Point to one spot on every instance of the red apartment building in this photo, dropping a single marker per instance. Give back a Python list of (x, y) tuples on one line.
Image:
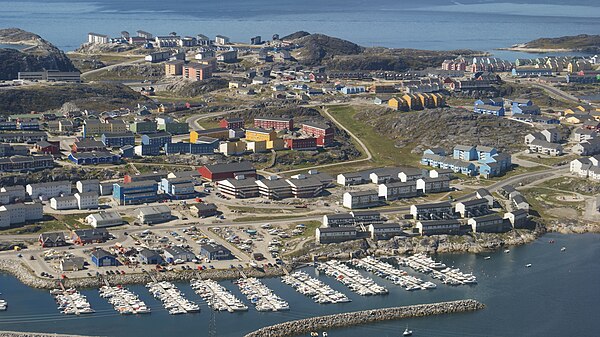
[(323, 133), (232, 123), (301, 143), (274, 123)]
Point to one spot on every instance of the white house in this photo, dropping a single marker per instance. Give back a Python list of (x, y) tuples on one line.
[(104, 219), (49, 190), (91, 185), (360, 199), (62, 203), (87, 200)]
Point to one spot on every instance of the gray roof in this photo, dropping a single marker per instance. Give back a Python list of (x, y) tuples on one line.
[(474, 202), (231, 167), (386, 225), (101, 253), (336, 229), (464, 147), (483, 192), (432, 205), (490, 217)]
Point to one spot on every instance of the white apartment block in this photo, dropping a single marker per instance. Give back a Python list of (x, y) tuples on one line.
[(49, 190), (15, 214), (87, 200)]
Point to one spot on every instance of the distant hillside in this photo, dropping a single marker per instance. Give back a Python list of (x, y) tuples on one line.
[(338, 54), (96, 96), (38, 55), (583, 42)]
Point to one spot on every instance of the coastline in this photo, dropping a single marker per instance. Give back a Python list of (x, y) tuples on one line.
[(396, 246), (539, 50)]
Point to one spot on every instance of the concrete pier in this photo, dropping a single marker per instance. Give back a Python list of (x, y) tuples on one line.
[(324, 323)]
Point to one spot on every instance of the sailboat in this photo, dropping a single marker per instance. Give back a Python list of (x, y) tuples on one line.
[(407, 332)]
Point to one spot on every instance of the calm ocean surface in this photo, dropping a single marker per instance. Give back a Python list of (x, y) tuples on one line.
[(425, 24), (557, 296)]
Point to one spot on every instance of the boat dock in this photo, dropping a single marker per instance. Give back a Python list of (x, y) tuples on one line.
[(395, 275), (351, 278), (71, 302), (124, 301), (424, 264), (172, 299), (217, 297), (261, 296), (311, 287)]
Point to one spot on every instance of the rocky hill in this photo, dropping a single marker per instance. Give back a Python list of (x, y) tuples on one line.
[(38, 55), (445, 127), (338, 54), (96, 96), (186, 88), (582, 42)]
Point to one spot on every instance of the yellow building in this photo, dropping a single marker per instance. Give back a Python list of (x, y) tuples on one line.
[(438, 100), (257, 147), (174, 68), (219, 133), (275, 144), (257, 135), (234, 85), (426, 100), (232, 148), (96, 127), (576, 110), (398, 103), (414, 103)]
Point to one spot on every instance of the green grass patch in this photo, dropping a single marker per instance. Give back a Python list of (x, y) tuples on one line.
[(573, 184), (382, 149), (549, 161)]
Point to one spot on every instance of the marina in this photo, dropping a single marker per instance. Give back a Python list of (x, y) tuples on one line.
[(261, 296), (313, 288), (351, 278), (71, 302), (217, 297), (172, 299), (393, 274), (124, 301), (424, 264)]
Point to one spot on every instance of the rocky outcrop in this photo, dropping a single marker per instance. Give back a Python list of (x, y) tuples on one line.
[(186, 88), (38, 55), (304, 326)]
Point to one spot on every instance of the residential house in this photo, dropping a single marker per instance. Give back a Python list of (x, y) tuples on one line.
[(335, 234), (361, 199), (492, 223)]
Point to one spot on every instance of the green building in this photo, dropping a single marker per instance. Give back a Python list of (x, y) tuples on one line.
[(175, 128), (142, 127)]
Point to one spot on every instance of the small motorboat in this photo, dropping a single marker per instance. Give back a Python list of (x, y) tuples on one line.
[(563, 249), (507, 251), (407, 332), (528, 265), (487, 257), (324, 333), (551, 241)]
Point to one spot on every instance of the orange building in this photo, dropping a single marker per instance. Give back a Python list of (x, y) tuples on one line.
[(196, 71)]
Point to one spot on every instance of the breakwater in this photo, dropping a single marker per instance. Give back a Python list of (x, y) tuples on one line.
[(26, 276), (303, 326)]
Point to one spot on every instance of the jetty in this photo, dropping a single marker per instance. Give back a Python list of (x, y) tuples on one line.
[(217, 297), (261, 296), (71, 302), (351, 278), (320, 292), (124, 301), (393, 274), (324, 323), (424, 264), (172, 299)]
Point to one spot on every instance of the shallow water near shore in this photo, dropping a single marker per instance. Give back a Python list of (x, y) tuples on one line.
[(555, 297)]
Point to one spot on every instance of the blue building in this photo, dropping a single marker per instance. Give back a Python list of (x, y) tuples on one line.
[(191, 148), (485, 109), (147, 150), (215, 252), (485, 152), (150, 256), (118, 139), (522, 102), (159, 139), (94, 158), (127, 151), (531, 71), (465, 152), (526, 109), (102, 258), (137, 192), (497, 101)]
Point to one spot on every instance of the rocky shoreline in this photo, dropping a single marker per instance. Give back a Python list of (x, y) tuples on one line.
[(33, 334), (303, 326), (27, 277)]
